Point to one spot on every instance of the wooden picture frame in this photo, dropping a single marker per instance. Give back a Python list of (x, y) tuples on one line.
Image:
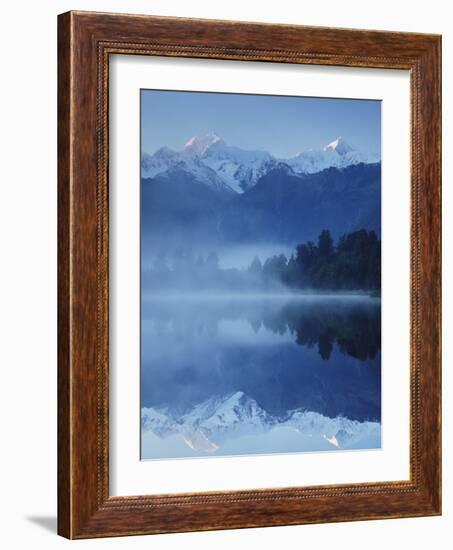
[(85, 42)]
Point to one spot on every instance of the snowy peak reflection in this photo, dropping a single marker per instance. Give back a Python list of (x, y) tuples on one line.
[(219, 421)]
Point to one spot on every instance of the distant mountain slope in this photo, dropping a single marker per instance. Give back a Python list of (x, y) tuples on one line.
[(165, 163), (282, 207), (285, 207), (177, 204)]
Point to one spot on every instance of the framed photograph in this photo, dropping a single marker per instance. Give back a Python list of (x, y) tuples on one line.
[(249, 275)]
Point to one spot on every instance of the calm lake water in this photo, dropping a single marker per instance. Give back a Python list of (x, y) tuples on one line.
[(239, 375)]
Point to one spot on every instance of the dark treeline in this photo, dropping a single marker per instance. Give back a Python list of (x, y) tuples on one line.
[(354, 263)]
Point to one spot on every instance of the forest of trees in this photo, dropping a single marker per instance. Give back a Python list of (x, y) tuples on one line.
[(353, 263)]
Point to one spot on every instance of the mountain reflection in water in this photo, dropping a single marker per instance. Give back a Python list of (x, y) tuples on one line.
[(259, 374)]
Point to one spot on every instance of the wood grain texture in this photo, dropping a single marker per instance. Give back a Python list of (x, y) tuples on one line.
[(86, 40)]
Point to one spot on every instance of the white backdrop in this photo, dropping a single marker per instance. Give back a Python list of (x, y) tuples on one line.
[(28, 270)]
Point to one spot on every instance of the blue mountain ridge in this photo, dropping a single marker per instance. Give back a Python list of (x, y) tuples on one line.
[(283, 207)]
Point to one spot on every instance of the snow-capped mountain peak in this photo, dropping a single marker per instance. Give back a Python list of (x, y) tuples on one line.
[(341, 146), (198, 145)]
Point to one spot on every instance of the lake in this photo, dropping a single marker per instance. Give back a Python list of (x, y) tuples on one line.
[(258, 374)]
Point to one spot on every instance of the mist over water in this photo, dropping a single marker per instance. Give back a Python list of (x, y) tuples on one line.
[(230, 257), (241, 257)]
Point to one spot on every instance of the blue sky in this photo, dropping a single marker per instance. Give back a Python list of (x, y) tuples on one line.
[(282, 125)]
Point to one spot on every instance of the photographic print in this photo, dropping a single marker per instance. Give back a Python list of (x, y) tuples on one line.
[(260, 274)]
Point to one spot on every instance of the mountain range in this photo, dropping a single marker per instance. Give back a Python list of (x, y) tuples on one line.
[(225, 167), (219, 419), (211, 195)]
